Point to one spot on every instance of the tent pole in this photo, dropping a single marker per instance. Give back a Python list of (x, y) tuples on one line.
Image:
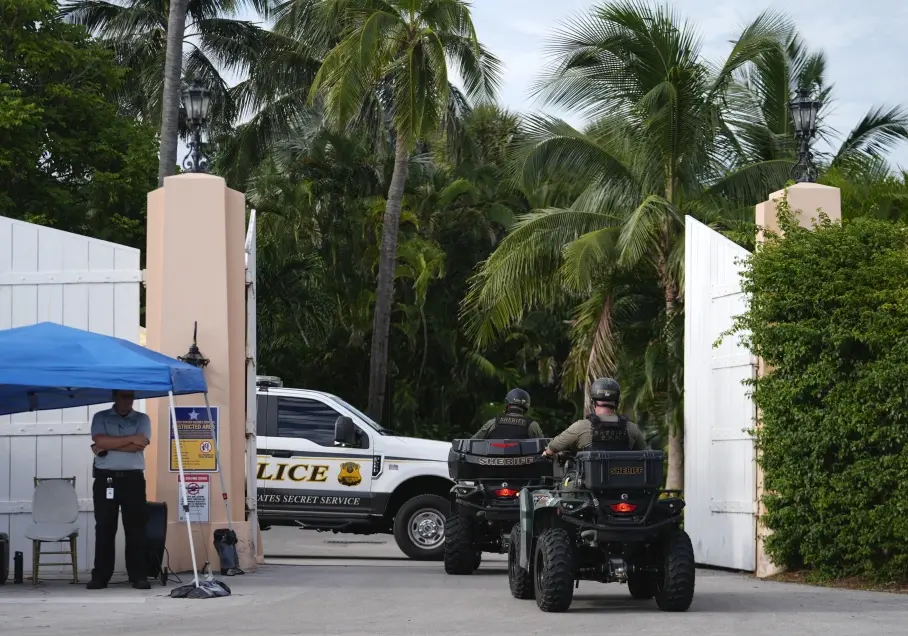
[(176, 438), (217, 450)]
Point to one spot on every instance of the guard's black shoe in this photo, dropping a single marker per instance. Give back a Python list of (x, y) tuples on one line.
[(96, 585), (141, 585)]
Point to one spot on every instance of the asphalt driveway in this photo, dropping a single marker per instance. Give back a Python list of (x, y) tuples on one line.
[(350, 588)]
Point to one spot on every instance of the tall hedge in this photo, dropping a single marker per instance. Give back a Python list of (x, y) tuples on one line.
[(828, 311)]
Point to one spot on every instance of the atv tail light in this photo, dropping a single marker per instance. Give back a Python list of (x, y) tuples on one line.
[(507, 492), (503, 444), (623, 507)]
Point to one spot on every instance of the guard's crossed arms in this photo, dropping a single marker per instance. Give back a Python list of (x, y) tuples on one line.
[(126, 444)]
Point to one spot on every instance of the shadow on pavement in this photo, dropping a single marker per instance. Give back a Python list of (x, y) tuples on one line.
[(780, 602)]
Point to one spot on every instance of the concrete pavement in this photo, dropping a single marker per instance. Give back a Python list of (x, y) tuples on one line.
[(357, 591)]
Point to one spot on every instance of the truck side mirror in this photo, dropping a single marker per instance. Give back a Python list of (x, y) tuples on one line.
[(345, 431)]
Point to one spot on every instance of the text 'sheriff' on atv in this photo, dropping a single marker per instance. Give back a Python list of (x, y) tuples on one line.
[(607, 520), (488, 475)]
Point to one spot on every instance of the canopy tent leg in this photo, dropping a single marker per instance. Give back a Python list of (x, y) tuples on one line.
[(176, 437), (217, 451)]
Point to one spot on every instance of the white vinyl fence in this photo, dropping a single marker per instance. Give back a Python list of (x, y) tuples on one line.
[(49, 275)]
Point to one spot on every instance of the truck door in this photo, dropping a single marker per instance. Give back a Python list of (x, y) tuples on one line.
[(304, 473), (266, 422)]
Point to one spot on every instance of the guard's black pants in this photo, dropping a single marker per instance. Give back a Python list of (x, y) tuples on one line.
[(129, 496)]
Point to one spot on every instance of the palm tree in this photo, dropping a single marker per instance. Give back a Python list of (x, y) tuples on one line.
[(149, 38), (170, 100), (762, 122), (392, 56), (662, 151)]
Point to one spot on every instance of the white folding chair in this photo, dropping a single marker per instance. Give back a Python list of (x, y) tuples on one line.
[(55, 515)]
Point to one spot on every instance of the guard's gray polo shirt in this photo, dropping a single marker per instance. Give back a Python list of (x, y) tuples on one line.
[(110, 423)]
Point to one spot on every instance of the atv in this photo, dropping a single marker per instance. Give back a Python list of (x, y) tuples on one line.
[(607, 520), (488, 476)]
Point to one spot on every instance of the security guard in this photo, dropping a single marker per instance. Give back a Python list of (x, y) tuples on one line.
[(120, 436), (513, 423), (602, 429)]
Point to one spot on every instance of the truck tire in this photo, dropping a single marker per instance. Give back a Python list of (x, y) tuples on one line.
[(519, 580), (460, 556), (419, 527), (554, 571), (675, 587)]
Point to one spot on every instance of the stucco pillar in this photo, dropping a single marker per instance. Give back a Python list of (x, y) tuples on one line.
[(805, 200), (196, 272)]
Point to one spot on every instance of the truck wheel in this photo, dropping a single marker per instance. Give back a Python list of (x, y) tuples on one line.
[(459, 554), (477, 560), (641, 585), (554, 571), (675, 588), (419, 527), (520, 581)]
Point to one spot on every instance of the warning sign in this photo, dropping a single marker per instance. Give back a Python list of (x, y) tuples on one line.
[(198, 495), (198, 439)]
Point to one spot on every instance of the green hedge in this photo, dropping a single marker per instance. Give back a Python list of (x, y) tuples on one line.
[(829, 311)]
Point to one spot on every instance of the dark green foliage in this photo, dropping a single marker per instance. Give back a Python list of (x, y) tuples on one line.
[(67, 157), (829, 316)]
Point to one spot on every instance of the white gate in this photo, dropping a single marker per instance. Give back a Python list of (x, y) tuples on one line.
[(719, 467), (49, 275), (251, 407)]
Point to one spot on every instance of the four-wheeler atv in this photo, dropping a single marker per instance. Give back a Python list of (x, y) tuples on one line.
[(607, 520), (488, 475)]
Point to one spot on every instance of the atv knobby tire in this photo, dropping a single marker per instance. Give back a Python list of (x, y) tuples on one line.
[(520, 581), (675, 588), (460, 557), (554, 568), (641, 585)]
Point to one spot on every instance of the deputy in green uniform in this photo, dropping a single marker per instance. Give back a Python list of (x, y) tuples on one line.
[(513, 423), (603, 429)]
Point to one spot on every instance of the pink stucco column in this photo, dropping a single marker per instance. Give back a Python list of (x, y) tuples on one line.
[(196, 272)]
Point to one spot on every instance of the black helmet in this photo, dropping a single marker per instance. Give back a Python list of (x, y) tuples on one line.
[(518, 398), (605, 390)]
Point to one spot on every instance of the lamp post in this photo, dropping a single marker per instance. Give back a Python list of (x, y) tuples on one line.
[(197, 105), (804, 112)]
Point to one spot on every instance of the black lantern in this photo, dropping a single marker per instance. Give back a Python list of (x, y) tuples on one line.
[(194, 355), (197, 106), (804, 111)]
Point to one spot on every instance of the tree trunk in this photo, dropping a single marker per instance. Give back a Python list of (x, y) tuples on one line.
[(675, 477), (170, 99), (381, 322)]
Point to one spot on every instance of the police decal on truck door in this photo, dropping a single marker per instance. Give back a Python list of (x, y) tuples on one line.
[(302, 471)]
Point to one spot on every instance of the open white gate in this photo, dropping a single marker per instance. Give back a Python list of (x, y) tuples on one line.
[(73, 280), (719, 467), (251, 409)]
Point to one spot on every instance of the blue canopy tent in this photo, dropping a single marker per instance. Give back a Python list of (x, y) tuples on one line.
[(51, 366)]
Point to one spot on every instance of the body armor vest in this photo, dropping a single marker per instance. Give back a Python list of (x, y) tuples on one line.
[(610, 436), (510, 426)]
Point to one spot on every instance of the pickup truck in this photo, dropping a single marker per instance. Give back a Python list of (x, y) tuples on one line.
[(373, 482)]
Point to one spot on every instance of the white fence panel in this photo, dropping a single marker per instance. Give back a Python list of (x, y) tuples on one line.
[(719, 470), (50, 275)]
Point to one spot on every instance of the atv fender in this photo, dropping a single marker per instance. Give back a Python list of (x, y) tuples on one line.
[(532, 505), (526, 528)]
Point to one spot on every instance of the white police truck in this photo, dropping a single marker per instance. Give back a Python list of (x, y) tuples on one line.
[(324, 465)]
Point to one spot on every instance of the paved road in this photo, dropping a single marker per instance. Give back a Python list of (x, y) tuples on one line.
[(357, 592)]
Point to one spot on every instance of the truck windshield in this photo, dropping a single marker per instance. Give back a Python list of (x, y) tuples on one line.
[(365, 418)]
